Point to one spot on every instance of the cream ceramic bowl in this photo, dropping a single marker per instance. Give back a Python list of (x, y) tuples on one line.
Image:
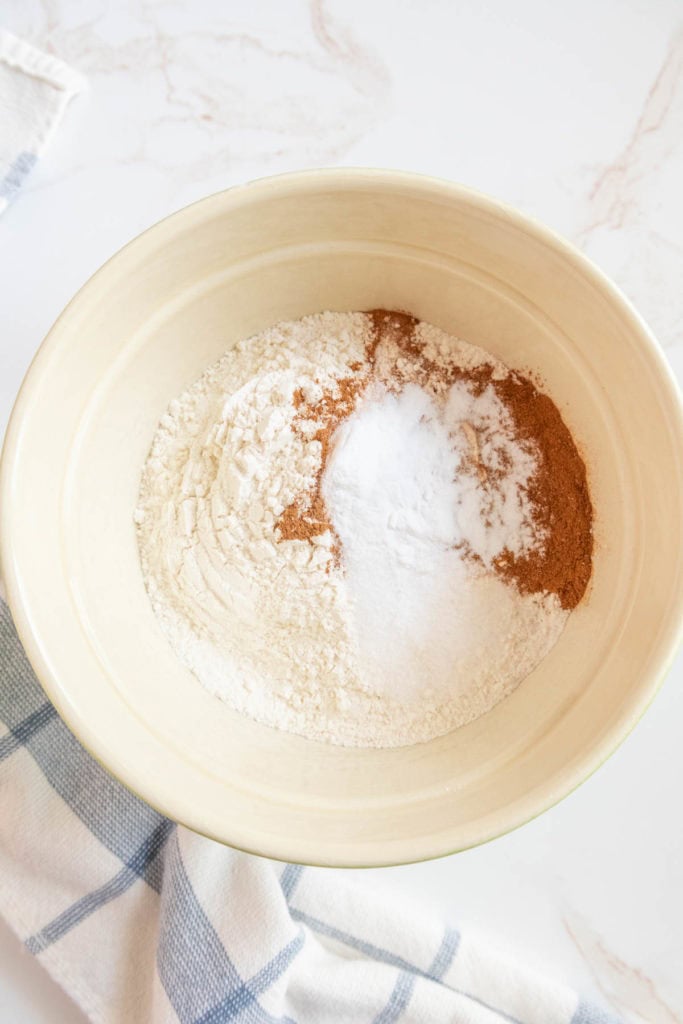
[(148, 323)]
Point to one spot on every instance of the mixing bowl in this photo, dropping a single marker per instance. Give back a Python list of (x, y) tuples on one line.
[(147, 324)]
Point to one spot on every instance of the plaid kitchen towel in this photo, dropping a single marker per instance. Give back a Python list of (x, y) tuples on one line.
[(145, 922), (34, 91)]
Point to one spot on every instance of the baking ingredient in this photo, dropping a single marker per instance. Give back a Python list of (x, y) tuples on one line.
[(559, 495), (343, 532)]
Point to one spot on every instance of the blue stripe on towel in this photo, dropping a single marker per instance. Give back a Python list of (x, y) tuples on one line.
[(18, 171), (201, 981), (398, 1000), (445, 954), (405, 983), (87, 905), (290, 879), (242, 998), (119, 819), (21, 733), (588, 1013)]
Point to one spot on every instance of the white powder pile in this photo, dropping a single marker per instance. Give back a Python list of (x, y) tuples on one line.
[(404, 501), (390, 625)]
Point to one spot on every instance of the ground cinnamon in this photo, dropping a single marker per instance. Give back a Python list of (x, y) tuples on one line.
[(307, 516), (394, 326), (559, 493)]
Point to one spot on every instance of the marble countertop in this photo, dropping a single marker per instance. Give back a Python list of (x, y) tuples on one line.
[(572, 112)]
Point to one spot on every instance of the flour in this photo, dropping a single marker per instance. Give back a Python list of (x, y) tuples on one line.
[(390, 626)]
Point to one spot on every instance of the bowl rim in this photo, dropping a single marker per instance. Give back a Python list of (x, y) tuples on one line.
[(292, 183)]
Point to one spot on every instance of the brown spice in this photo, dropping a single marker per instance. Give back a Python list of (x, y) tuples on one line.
[(392, 325), (559, 494), (307, 516)]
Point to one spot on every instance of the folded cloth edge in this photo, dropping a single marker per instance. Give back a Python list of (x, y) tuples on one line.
[(17, 53)]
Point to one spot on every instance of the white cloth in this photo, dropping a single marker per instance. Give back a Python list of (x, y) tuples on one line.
[(144, 922), (34, 91)]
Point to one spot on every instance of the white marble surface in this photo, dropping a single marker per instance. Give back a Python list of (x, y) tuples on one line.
[(573, 112)]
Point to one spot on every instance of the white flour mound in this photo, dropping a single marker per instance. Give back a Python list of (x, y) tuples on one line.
[(406, 638)]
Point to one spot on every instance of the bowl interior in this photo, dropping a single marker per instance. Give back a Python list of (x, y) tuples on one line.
[(149, 323)]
